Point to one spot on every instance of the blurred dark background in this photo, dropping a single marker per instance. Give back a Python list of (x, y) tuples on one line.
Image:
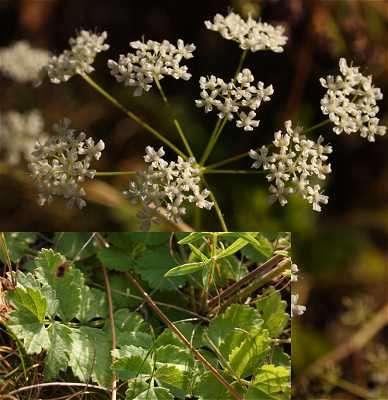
[(319, 33)]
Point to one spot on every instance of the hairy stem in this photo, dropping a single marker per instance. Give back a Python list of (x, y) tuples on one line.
[(232, 171), (213, 139), (131, 115), (217, 208), (241, 62), (228, 160), (182, 338)]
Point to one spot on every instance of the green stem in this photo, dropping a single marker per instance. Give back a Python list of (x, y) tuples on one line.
[(176, 122), (213, 139), (232, 171), (131, 115), (228, 160), (115, 173), (316, 126), (241, 62), (217, 208)]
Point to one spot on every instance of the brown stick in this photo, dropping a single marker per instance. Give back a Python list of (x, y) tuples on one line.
[(354, 343), (182, 338), (50, 384), (245, 280)]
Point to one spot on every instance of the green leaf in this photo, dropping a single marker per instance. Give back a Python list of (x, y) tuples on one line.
[(273, 310), (31, 300), (187, 269), (152, 393), (197, 252), (208, 388), (67, 282), (131, 361), (89, 355), (272, 383), (193, 237), (259, 242), (153, 265), (92, 304), (18, 244), (232, 249), (171, 375), (131, 329), (57, 357), (245, 358), (115, 259), (74, 245)]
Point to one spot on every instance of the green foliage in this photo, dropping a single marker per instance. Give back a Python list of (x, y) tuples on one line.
[(60, 312), (18, 244)]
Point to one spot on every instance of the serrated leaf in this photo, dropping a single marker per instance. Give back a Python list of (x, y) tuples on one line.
[(90, 357), (208, 388), (131, 361), (17, 244), (193, 333), (31, 300), (135, 387), (28, 330), (152, 266), (272, 383), (92, 304), (171, 375), (245, 358), (273, 311), (115, 259), (57, 356), (131, 329), (229, 329), (187, 269), (67, 282), (153, 393)]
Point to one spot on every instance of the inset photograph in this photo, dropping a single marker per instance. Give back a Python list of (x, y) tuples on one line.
[(145, 316)]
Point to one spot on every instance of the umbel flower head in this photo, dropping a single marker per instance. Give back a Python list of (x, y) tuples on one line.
[(239, 98), (351, 102), (77, 60), (22, 62), (151, 61), (18, 135), (294, 166), (166, 188), (60, 164), (250, 34)]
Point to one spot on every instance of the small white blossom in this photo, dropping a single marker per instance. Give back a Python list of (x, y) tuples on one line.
[(294, 166), (22, 62), (250, 34), (294, 273), (237, 98), (166, 187), (151, 61), (351, 102), (19, 133), (296, 309), (77, 60), (61, 163)]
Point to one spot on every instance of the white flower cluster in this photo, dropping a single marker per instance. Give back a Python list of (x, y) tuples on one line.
[(151, 61), (291, 169), (62, 163), (296, 309), (18, 134), (238, 97), (294, 273), (77, 60), (22, 62), (350, 102), (164, 187), (250, 34)]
